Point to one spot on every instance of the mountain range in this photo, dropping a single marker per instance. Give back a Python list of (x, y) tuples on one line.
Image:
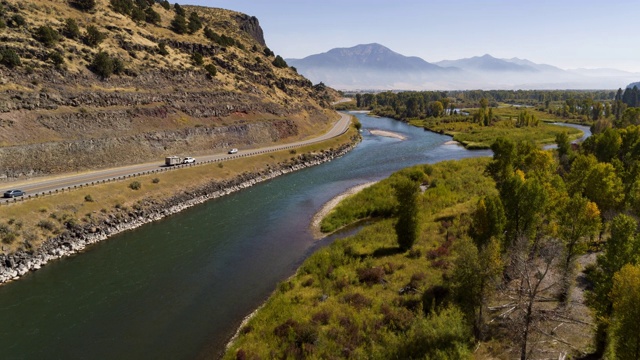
[(376, 67)]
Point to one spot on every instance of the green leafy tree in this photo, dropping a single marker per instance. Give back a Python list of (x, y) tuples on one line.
[(488, 220), (565, 153), (625, 327), (524, 205), (504, 159), (578, 221), (436, 109), (526, 118), (93, 37), (607, 145), (622, 248), (581, 167), (71, 29), (604, 187), (406, 227), (474, 271), (165, 4)]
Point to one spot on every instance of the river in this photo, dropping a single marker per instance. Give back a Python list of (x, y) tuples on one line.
[(178, 288)]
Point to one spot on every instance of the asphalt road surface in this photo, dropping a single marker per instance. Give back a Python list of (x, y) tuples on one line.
[(44, 185)]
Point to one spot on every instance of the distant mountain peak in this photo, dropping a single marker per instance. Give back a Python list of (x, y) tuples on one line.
[(375, 66), (374, 56)]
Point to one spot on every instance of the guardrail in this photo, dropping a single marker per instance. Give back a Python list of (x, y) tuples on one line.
[(160, 170)]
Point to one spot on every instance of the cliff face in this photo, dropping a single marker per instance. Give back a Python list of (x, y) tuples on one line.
[(168, 93)]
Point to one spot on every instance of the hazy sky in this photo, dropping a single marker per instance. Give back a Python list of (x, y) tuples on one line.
[(563, 33)]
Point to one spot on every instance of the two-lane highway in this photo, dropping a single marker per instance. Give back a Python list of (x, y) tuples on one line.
[(53, 183)]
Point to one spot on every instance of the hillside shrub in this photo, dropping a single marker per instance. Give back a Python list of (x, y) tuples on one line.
[(47, 35), (84, 5), (9, 238), (152, 17), (135, 185), (16, 21), (138, 14), (118, 66), (221, 40), (122, 6), (197, 59), (279, 62), (46, 225), (165, 4), (179, 24), (179, 10), (71, 29), (56, 58), (211, 70), (162, 49), (9, 58), (102, 65), (195, 23), (93, 37)]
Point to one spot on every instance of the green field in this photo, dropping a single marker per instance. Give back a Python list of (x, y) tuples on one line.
[(474, 136)]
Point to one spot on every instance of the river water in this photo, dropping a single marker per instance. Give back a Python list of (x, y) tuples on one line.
[(178, 288)]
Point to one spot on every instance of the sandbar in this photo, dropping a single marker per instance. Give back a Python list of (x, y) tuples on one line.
[(387, 134), (329, 205)]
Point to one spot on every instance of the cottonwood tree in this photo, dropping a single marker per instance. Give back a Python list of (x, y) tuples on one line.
[(488, 220), (625, 324), (623, 247), (579, 220), (524, 203), (475, 275)]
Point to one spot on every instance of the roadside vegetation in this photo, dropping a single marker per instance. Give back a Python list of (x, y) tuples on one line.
[(531, 254), (25, 225)]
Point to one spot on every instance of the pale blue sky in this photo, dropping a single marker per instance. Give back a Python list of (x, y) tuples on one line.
[(567, 34)]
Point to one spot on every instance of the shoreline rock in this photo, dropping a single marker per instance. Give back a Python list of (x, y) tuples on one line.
[(75, 240)]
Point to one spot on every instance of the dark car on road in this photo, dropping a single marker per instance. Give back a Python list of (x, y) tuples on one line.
[(13, 193)]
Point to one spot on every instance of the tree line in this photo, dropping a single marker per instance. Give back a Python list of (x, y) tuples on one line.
[(518, 264)]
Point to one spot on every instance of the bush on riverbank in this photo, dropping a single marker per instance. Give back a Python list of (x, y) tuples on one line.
[(361, 296)]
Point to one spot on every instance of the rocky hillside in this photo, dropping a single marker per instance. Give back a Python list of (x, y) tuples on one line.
[(97, 83)]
